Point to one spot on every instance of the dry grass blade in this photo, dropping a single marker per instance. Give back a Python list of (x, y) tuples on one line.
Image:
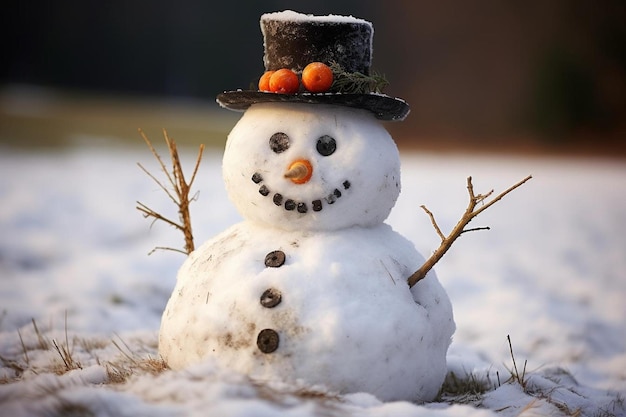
[(24, 350), (43, 343), (17, 367), (520, 379), (459, 229), (179, 193), (121, 370), (65, 352)]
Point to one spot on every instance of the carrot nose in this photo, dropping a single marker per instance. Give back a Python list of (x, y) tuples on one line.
[(299, 171)]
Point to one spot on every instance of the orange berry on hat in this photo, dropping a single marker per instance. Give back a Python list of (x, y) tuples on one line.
[(284, 81), (317, 77), (264, 81)]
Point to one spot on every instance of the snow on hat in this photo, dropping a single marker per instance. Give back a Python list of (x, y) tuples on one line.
[(344, 43)]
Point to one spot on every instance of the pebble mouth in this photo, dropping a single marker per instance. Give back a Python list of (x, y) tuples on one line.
[(302, 207)]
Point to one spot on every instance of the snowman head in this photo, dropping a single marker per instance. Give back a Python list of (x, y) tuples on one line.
[(311, 167)]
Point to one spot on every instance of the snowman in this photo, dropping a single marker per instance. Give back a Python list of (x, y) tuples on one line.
[(311, 287)]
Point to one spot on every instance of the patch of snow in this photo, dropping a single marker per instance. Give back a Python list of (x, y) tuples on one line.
[(291, 16), (549, 273)]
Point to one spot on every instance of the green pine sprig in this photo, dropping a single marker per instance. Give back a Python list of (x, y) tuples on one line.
[(356, 82)]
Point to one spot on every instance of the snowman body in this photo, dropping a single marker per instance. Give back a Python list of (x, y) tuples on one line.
[(312, 285)]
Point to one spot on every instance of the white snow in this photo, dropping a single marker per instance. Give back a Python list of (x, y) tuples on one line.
[(549, 273), (291, 16)]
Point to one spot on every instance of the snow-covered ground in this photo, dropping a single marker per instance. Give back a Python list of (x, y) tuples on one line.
[(80, 299)]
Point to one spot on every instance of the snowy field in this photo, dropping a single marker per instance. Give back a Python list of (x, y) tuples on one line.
[(80, 299)]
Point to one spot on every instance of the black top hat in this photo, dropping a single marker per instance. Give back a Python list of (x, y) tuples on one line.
[(294, 40)]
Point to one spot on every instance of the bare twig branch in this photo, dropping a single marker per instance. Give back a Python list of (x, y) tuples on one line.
[(476, 229), (502, 194), (164, 188), (148, 212), (156, 248), (180, 190), (157, 157), (195, 169), (434, 222), (459, 228)]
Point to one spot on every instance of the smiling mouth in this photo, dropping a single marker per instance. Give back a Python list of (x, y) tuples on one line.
[(290, 204)]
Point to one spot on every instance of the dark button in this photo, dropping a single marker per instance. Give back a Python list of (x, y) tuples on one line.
[(267, 340), (346, 184), (278, 199), (302, 208), (317, 205), (271, 298), (290, 205), (264, 191), (257, 178), (275, 259)]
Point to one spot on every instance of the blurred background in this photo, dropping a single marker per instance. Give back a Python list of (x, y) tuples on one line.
[(486, 75)]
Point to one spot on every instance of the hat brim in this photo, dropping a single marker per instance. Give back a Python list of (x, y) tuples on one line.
[(384, 107)]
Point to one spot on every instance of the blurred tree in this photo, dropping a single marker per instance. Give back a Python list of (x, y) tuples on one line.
[(477, 70), (183, 48), (563, 96)]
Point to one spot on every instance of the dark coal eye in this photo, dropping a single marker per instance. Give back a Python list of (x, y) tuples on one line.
[(279, 142), (326, 145)]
